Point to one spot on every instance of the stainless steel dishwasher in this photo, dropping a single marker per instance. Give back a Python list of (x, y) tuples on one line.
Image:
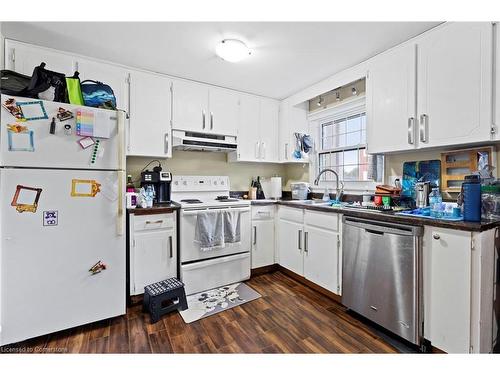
[(382, 274)]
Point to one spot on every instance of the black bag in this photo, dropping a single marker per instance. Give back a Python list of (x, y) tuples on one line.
[(13, 83), (47, 85)]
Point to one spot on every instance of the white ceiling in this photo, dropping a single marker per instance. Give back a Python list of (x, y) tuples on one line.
[(287, 56)]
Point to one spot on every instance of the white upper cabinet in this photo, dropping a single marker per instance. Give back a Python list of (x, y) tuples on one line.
[(224, 109), (150, 115), (202, 108), (257, 130), (249, 128), (292, 119), (391, 101), (455, 84), (190, 106), (23, 58), (112, 75), (269, 114), (434, 91)]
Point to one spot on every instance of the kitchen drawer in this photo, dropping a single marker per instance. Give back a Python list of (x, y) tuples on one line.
[(291, 214), (212, 273), (152, 222), (329, 221), (263, 212)]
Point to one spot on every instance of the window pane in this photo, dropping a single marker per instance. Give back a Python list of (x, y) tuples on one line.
[(354, 123), (327, 143), (337, 158), (351, 172), (327, 129), (353, 139), (340, 126), (351, 157), (322, 160)]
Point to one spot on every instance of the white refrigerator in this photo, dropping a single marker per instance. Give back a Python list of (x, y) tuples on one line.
[(62, 243)]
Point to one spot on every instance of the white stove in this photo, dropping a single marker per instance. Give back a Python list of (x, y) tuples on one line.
[(194, 192), (202, 270)]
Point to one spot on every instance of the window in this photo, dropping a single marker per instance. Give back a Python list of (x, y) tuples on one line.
[(343, 149)]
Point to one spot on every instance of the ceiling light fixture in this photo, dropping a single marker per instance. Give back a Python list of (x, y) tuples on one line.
[(320, 101), (337, 95), (354, 91), (232, 50)]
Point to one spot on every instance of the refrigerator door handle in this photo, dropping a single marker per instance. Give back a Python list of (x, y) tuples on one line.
[(121, 139), (119, 215)]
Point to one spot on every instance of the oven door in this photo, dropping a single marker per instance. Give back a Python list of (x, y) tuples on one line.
[(190, 251)]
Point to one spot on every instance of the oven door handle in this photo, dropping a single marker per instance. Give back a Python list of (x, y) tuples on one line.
[(197, 211)]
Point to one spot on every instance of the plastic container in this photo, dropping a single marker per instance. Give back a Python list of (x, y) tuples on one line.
[(490, 202), (435, 203), (299, 190)]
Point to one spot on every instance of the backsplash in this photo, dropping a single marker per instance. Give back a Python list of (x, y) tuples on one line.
[(209, 163)]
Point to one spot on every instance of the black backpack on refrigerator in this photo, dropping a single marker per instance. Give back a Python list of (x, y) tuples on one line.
[(43, 84)]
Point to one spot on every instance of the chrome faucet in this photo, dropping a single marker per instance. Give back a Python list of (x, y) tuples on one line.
[(338, 191)]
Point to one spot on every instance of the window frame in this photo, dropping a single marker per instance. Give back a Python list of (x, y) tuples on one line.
[(316, 120)]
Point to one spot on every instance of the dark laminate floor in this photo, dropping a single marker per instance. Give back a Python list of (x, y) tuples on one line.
[(289, 318)]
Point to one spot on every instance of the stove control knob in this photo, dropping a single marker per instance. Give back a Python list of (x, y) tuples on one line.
[(184, 182), (215, 183)]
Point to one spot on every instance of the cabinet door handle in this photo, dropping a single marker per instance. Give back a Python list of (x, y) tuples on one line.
[(411, 123), (306, 242), (300, 240), (203, 119), (154, 222), (166, 147), (257, 150), (170, 246), (424, 128), (436, 236), (263, 151), (286, 151), (255, 235), (211, 120)]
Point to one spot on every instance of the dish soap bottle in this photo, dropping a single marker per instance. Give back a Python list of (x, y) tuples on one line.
[(435, 201)]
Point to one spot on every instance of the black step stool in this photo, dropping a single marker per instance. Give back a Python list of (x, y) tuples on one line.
[(167, 290)]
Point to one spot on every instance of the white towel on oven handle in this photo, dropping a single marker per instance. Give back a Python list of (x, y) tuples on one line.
[(209, 230), (232, 226)]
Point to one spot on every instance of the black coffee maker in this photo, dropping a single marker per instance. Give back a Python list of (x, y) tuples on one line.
[(160, 182)]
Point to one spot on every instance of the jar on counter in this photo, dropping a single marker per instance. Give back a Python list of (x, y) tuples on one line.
[(490, 202)]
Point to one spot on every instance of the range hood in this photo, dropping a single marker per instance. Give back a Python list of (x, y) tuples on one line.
[(193, 141)]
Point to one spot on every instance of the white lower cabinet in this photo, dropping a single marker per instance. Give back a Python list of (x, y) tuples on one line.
[(290, 245), (263, 236), (458, 279), (309, 245), (321, 264), (153, 250)]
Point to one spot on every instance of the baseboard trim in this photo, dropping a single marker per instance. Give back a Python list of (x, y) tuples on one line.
[(310, 284), (263, 270)]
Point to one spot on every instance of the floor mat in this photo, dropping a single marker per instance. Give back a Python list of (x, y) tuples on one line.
[(213, 301)]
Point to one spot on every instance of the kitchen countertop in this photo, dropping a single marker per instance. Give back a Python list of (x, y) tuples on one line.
[(158, 209), (391, 217)]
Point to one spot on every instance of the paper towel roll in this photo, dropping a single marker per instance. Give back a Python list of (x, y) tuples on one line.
[(276, 187)]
